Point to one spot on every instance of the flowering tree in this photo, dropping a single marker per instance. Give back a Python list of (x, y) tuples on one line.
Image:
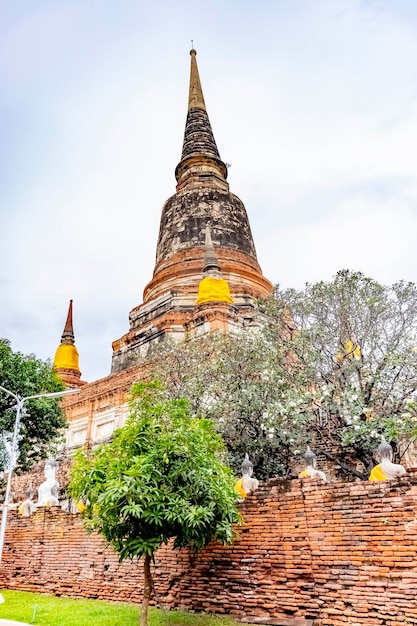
[(357, 341), (243, 382), (334, 365)]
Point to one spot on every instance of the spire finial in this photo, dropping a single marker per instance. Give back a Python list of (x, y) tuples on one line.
[(210, 258), (195, 96), (68, 334)]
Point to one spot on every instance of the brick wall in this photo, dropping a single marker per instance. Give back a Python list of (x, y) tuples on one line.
[(343, 553)]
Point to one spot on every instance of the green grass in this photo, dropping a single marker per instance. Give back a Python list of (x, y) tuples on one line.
[(46, 610)]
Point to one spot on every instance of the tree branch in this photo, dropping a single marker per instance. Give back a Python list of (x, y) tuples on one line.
[(345, 467)]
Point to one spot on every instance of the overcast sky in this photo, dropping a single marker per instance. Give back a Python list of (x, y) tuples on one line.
[(312, 102)]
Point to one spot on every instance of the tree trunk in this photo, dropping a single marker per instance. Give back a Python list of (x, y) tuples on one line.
[(147, 590)]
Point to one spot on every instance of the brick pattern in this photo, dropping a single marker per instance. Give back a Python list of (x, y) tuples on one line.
[(331, 554)]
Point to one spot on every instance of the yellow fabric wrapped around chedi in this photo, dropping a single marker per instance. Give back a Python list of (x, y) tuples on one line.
[(213, 290), (350, 349), (66, 357)]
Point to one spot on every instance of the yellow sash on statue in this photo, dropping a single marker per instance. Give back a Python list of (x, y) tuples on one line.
[(303, 474), (239, 488), (377, 474)]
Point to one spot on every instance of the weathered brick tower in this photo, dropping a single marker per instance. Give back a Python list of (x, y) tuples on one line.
[(206, 277), (202, 200)]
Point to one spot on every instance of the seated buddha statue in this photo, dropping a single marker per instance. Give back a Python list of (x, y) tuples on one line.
[(310, 471), (247, 484), (386, 469), (48, 490)]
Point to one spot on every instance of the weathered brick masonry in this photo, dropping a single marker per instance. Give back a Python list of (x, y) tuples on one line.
[(343, 553)]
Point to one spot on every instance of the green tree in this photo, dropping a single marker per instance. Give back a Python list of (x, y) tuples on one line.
[(162, 477), (42, 419), (357, 343), (250, 387)]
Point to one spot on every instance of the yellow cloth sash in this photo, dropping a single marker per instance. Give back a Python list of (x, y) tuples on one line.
[(377, 474), (303, 474), (239, 488)]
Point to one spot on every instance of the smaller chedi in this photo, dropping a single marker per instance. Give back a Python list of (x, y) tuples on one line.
[(310, 470), (48, 490), (66, 356), (247, 484), (386, 469), (212, 288)]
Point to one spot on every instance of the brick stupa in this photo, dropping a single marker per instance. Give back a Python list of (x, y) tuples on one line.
[(206, 277), (202, 198)]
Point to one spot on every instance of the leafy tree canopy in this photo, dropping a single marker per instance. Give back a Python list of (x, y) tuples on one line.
[(162, 477), (26, 376), (334, 365)]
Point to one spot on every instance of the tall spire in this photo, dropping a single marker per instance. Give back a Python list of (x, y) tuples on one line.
[(68, 334), (203, 197), (195, 96), (198, 137)]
